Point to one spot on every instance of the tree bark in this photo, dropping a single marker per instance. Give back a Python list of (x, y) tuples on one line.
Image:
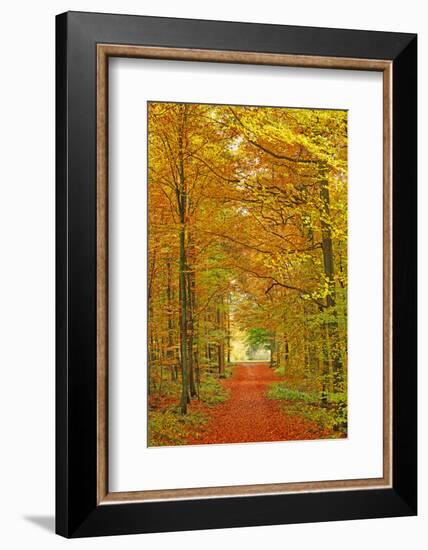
[(170, 353), (220, 345), (191, 327), (182, 208), (228, 330), (328, 260)]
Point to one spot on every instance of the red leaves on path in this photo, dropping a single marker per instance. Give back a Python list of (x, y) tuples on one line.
[(249, 416)]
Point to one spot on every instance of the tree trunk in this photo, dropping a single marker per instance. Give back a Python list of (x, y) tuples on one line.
[(278, 353), (286, 350), (328, 260), (183, 325), (272, 350), (182, 207), (170, 353), (190, 326), (228, 331), (220, 345)]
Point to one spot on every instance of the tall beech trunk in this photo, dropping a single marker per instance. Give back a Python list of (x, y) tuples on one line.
[(332, 327), (220, 345), (228, 336), (325, 369), (182, 208), (286, 350), (195, 331), (170, 353), (278, 353), (190, 328), (272, 350), (183, 324), (151, 337)]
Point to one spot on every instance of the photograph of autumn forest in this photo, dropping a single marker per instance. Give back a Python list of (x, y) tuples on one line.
[(247, 274)]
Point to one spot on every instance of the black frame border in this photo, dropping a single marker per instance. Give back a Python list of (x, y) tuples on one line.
[(77, 512)]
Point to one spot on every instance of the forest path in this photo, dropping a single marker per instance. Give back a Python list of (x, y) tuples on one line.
[(249, 416)]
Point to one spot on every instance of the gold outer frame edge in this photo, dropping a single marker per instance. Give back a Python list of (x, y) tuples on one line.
[(104, 51)]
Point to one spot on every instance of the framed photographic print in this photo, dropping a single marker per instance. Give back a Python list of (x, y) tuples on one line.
[(236, 274)]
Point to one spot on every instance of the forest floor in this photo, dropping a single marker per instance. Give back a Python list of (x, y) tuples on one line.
[(248, 415)]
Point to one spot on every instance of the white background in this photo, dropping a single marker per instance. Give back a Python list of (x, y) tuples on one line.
[(132, 465), (27, 275)]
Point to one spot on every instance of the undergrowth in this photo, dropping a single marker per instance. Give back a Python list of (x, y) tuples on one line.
[(212, 392), (331, 415), (167, 426)]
